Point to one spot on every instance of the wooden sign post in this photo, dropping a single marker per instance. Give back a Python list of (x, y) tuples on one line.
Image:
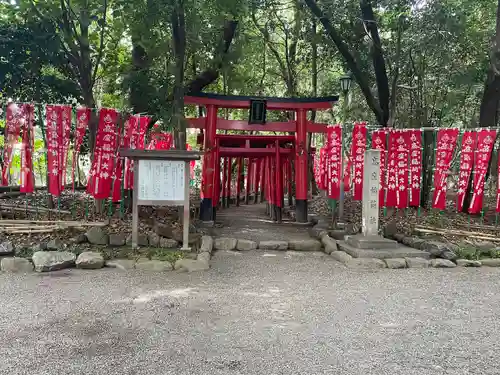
[(161, 178)]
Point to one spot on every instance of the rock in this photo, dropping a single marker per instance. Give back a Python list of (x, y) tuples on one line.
[(330, 244), (90, 260), (39, 247), (416, 242), (55, 244), (117, 239), (168, 243), (45, 261), (337, 234), (204, 257), (273, 245), (449, 255), (399, 237), (16, 265), (153, 265), (485, 247), (207, 244), (318, 232), (442, 263), (341, 256), (121, 264), (417, 263), (409, 241), (468, 263), (154, 239), (163, 230), (304, 245), (491, 262), (245, 245), (142, 240), (435, 248), (191, 265), (6, 248), (97, 236), (365, 263), (395, 263), (390, 229), (225, 243), (81, 238)]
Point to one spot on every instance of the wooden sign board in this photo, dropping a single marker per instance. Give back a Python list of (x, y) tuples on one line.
[(162, 182), (161, 178)]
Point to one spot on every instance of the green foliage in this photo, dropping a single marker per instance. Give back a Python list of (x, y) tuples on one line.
[(441, 66)]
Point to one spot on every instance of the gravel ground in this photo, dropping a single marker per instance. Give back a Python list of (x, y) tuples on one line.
[(252, 313)]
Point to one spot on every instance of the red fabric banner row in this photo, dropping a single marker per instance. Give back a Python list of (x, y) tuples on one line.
[(401, 171), (107, 169)]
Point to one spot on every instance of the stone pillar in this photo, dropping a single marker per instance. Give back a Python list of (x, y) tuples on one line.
[(371, 187)]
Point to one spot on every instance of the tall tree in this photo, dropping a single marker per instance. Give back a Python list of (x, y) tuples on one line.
[(488, 113), (380, 104)]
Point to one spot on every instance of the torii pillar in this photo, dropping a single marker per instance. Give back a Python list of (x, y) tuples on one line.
[(208, 181), (301, 167)]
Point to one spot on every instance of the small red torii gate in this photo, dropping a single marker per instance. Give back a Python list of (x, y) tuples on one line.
[(301, 126)]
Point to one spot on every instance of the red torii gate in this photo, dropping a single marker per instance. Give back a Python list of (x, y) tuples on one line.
[(301, 126)]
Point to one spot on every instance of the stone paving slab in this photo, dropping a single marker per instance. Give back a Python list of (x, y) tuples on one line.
[(250, 222), (398, 252)]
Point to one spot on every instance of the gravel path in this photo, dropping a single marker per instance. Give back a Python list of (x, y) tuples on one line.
[(252, 313)]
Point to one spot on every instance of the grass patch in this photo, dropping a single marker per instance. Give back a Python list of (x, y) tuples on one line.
[(469, 253), (152, 253)]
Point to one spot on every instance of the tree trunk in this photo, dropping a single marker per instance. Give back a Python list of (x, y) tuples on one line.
[(361, 78), (491, 96), (488, 112), (179, 48), (314, 82)]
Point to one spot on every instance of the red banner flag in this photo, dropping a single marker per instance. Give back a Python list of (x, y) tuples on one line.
[(485, 142), (466, 163), (53, 115), (15, 119), (82, 122), (135, 132), (379, 142), (334, 144), (415, 167), (397, 175), (358, 154), (446, 141), (27, 177), (64, 146), (101, 175)]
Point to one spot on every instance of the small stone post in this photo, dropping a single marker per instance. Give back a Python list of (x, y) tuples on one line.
[(371, 187)]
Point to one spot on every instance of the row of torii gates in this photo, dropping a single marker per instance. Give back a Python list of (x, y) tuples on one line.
[(274, 161)]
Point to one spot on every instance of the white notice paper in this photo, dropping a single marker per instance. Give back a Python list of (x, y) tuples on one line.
[(161, 180)]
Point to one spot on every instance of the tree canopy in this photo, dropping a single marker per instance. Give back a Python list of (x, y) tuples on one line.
[(414, 63)]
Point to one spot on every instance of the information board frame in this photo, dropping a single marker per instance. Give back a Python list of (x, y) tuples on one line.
[(157, 155)]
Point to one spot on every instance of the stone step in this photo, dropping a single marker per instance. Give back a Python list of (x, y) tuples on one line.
[(396, 252), (371, 242)]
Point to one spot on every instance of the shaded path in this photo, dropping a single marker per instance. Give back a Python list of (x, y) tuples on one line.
[(251, 222)]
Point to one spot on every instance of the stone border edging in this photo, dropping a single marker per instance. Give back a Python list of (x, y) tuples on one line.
[(46, 261), (321, 232)]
